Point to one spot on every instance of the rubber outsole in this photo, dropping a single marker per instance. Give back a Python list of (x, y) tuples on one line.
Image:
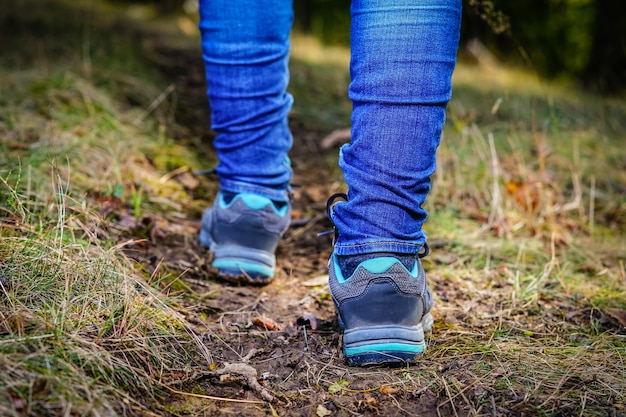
[(377, 345), (238, 263)]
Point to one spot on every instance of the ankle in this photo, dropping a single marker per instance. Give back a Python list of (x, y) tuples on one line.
[(349, 263)]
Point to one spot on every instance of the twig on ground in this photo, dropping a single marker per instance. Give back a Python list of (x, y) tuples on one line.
[(210, 397), (245, 374), (232, 372), (335, 137), (250, 354)]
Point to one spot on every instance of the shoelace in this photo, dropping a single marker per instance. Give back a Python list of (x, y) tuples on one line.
[(330, 203)]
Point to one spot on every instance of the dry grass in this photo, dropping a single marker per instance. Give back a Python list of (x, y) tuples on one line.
[(529, 277), (81, 331)]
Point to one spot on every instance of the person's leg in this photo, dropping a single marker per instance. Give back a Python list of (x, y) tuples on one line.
[(403, 56), (245, 47)]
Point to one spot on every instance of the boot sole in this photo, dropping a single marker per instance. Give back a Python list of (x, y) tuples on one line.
[(375, 345), (239, 263)]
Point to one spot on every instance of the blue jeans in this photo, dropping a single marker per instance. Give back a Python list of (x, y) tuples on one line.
[(403, 56)]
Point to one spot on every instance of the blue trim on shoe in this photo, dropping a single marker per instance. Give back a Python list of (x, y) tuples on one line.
[(385, 344), (382, 358), (254, 202), (236, 267), (383, 334), (375, 266), (390, 348)]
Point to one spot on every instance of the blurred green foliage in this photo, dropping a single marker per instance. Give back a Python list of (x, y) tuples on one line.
[(582, 40), (579, 39)]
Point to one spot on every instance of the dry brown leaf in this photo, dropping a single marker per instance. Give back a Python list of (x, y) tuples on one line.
[(371, 401), (388, 389), (296, 214), (619, 315), (265, 323)]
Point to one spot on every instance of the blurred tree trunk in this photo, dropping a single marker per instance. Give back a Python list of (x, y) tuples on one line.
[(304, 14), (606, 67)]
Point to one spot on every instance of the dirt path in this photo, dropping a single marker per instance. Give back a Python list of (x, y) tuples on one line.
[(286, 330), (282, 338)]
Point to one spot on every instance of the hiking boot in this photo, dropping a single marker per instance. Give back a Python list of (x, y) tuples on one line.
[(383, 308), (383, 304), (243, 230)]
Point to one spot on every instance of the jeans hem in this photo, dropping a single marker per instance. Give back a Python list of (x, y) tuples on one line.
[(373, 247)]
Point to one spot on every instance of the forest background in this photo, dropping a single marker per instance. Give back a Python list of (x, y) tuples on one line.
[(580, 39)]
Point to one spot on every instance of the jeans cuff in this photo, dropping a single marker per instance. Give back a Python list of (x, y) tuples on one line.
[(380, 246)]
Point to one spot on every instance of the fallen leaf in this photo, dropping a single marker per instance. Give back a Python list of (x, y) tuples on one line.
[(296, 214), (317, 281), (388, 389), (307, 319), (323, 411), (338, 386), (619, 315), (371, 401), (265, 323)]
